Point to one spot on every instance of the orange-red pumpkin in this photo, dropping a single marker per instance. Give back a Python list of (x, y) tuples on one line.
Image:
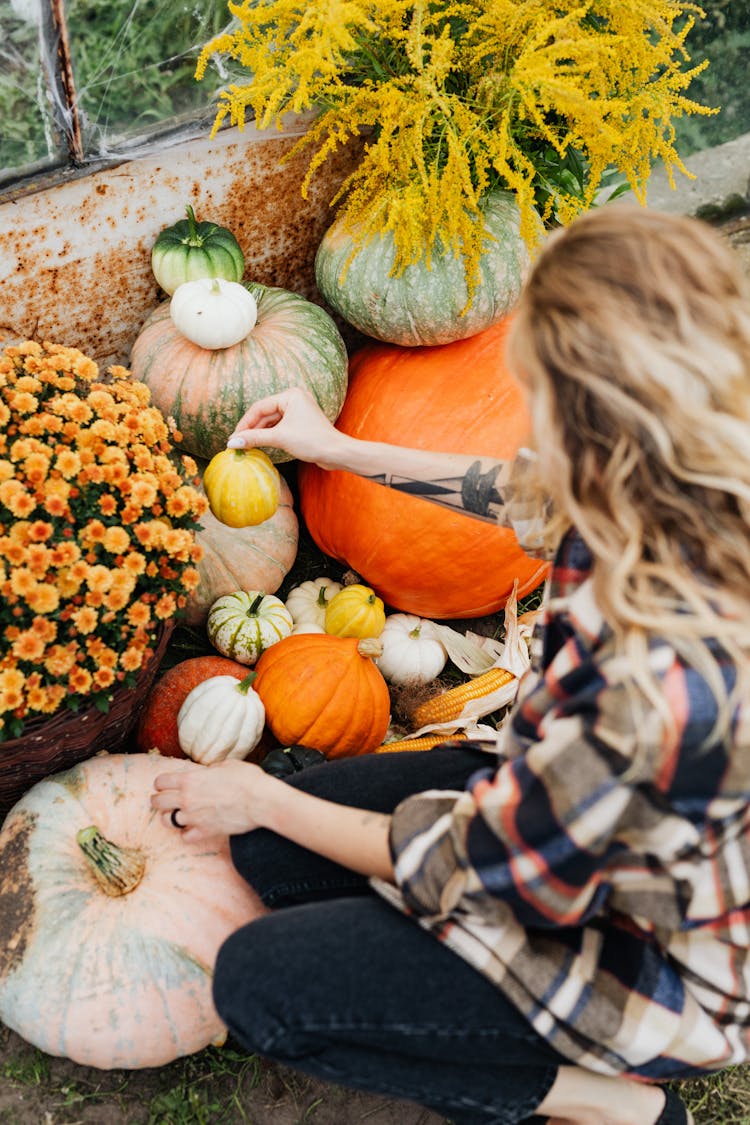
[(418, 557), (324, 692), (157, 725)]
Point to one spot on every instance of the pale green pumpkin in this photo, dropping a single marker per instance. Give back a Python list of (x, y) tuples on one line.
[(424, 305), (294, 344)]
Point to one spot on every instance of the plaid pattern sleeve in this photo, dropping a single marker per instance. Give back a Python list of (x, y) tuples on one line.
[(607, 893)]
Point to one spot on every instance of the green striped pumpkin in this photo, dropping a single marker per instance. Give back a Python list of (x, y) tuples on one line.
[(294, 343), (423, 305), (245, 623)]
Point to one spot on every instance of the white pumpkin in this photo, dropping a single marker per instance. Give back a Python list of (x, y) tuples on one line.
[(245, 623), (213, 313), (308, 602), (221, 718), (412, 652)]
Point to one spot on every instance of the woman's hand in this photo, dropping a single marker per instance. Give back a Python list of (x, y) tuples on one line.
[(290, 420), (217, 800), (232, 797)]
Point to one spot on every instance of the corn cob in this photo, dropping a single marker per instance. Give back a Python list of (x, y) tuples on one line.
[(449, 704), (426, 742)]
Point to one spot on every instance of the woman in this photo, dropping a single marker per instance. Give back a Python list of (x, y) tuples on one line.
[(590, 884)]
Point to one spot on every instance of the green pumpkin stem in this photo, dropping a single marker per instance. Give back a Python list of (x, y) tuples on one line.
[(255, 605), (245, 685), (193, 238), (117, 870)]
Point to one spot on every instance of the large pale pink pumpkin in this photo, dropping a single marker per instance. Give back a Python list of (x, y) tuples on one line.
[(417, 556), (244, 558), (294, 343), (112, 980)]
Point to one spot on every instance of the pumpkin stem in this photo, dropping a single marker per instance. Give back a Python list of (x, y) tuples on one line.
[(255, 604), (215, 286), (322, 596), (370, 646), (244, 686), (117, 870), (193, 238)]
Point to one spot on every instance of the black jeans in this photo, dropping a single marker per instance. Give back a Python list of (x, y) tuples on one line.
[(338, 984)]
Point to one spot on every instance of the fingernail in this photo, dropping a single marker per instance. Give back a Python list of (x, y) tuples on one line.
[(235, 442)]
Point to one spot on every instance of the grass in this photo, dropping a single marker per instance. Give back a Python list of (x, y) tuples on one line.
[(225, 1086)]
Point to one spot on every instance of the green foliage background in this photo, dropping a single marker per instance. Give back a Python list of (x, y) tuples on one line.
[(135, 64), (723, 37)]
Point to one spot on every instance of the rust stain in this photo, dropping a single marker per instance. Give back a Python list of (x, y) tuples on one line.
[(75, 263), (17, 901)]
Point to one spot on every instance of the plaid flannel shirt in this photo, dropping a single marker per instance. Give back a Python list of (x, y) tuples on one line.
[(607, 895)]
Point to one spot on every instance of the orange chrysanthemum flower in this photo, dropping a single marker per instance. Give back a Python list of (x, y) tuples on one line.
[(44, 599), (131, 659), (116, 540), (139, 614), (28, 646), (82, 456), (85, 619), (60, 659), (165, 607), (79, 680)]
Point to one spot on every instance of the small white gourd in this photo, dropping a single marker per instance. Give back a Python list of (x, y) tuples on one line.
[(412, 653), (213, 313), (308, 602), (221, 718)]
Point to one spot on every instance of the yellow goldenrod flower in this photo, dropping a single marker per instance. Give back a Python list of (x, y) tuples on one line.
[(447, 100)]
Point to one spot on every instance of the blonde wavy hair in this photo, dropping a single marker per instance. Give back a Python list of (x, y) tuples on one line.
[(633, 336)]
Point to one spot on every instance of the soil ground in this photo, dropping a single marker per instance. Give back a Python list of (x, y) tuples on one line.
[(218, 1086)]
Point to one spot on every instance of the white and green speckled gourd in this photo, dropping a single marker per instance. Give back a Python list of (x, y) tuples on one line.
[(109, 921), (424, 305)]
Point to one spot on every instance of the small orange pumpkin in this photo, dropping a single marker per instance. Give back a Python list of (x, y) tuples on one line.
[(325, 692)]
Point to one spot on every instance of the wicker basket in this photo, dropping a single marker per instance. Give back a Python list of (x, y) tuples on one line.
[(50, 745)]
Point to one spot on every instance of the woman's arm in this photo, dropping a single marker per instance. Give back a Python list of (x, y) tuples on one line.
[(292, 420), (232, 797)]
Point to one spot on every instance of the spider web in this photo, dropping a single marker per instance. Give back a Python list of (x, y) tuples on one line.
[(133, 63)]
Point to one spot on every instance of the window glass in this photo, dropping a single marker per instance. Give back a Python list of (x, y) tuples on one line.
[(134, 61), (27, 136)]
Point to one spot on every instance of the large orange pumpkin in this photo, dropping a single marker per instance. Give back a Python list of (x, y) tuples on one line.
[(418, 557), (108, 940), (324, 692)]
